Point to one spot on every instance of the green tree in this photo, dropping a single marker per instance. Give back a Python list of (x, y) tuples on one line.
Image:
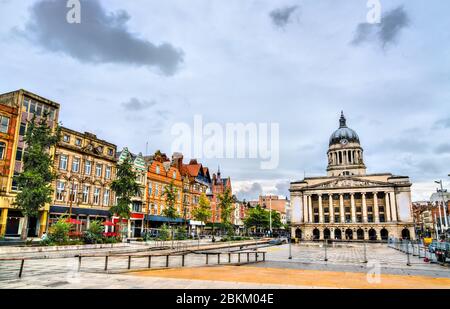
[(257, 218), (226, 209), (35, 180), (170, 211), (125, 187), (276, 220), (203, 211), (58, 233), (170, 195)]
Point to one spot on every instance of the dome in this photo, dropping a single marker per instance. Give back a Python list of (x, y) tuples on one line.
[(343, 133)]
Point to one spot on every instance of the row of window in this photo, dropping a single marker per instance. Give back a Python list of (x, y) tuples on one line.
[(38, 109), (67, 192), (76, 167), (157, 189), (79, 143), (348, 219)]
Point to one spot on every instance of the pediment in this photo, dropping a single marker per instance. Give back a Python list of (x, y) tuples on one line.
[(349, 183)]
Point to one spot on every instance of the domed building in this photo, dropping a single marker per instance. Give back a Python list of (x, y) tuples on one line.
[(348, 203)]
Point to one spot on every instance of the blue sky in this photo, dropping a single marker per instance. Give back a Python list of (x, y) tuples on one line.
[(132, 69)]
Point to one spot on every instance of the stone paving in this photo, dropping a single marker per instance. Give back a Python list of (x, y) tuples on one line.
[(345, 259)]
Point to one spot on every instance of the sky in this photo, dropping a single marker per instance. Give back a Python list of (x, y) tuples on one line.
[(131, 70)]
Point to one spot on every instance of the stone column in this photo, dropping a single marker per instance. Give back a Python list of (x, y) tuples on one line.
[(353, 207), (321, 219), (387, 210), (393, 206), (43, 223), (331, 208), (3, 221), (310, 210), (364, 207), (341, 207), (376, 213), (331, 233), (305, 209)]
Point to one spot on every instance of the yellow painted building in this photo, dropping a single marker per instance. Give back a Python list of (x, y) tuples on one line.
[(86, 166), (17, 108)]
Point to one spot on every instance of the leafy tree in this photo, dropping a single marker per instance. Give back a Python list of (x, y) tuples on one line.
[(226, 209), (125, 187), (170, 195), (257, 217), (59, 232), (276, 220), (35, 180), (94, 233), (203, 211)]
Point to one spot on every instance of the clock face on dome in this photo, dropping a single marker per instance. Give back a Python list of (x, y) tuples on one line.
[(344, 141)]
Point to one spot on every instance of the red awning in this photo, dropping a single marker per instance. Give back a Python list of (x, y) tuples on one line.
[(74, 221), (108, 223)]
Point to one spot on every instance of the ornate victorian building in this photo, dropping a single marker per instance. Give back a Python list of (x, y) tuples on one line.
[(348, 203)]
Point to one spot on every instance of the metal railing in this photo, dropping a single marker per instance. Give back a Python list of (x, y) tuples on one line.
[(413, 248)]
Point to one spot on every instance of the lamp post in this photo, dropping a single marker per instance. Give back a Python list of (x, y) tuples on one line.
[(270, 215), (444, 206)]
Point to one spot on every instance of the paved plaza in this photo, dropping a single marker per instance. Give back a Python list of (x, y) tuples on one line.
[(345, 268)]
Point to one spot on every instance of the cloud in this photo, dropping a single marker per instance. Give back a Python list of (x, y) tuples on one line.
[(442, 124), (101, 37), (442, 148), (251, 192), (281, 17), (386, 32), (136, 105)]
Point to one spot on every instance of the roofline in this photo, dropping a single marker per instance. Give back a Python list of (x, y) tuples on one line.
[(33, 95), (84, 135)]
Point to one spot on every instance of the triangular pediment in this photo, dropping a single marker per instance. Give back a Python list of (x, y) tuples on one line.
[(349, 182)]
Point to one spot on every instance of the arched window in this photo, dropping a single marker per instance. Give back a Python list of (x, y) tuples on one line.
[(2, 150)]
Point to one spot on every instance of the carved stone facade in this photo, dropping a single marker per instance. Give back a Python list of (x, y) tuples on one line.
[(349, 204)]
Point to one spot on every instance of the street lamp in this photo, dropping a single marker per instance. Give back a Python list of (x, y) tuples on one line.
[(444, 206)]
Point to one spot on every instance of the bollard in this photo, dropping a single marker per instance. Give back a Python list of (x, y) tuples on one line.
[(79, 263), (365, 252), (218, 258), (182, 260), (290, 250), (264, 257), (129, 262), (229, 257), (21, 268), (106, 263), (407, 255), (239, 257), (167, 260), (207, 258), (256, 256), (248, 257), (149, 261), (325, 246)]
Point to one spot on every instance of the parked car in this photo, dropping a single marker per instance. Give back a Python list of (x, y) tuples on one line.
[(440, 249)]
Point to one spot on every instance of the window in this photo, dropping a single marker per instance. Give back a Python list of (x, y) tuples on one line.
[(87, 167), (137, 207), (74, 193), (23, 129), (75, 165), (32, 107), (98, 170), (108, 172), (156, 190), (66, 138), (2, 150), (86, 190), (96, 196), (19, 154), (4, 124), (336, 218), (106, 197), (60, 186), (26, 103), (174, 175), (150, 189), (78, 142), (157, 169), (14, 185), (110, 152), (63, 162)]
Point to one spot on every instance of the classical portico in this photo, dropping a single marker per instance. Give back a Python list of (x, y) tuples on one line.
[(348, 203)]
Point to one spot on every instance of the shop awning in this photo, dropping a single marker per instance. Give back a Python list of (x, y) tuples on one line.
[(74, 221), (79, 211), (163, 219), (108, 223)]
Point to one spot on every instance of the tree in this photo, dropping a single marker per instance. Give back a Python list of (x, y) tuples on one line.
[(276, 220), (170, 211), (170, 195), (203, 211), (35, 180), (257, 217), (226, 209), (125, 187)]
